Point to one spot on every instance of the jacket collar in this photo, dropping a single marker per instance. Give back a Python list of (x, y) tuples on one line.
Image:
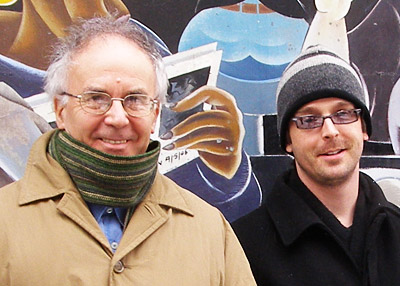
[(375, 199), (167, 194), (292, 215), (44, 178), (289, 212)]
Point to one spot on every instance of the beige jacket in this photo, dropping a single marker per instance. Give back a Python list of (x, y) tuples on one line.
[(49, 237)]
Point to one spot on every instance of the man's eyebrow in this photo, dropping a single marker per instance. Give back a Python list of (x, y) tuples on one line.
[(93, 88), (306, 110), (138, 90), (314, 110)]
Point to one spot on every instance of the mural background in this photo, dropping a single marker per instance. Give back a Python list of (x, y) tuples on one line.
[(234, 165)]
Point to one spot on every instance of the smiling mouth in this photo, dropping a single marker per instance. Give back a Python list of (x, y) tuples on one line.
[(114, 141), (333, 152)]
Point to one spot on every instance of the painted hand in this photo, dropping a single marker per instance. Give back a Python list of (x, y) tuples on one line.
[(216, 134)]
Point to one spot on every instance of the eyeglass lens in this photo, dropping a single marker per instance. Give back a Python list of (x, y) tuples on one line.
[(99, 103), (315, 121)]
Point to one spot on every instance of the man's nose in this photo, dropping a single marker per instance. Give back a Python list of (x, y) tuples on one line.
[(329, 128), (116, 115)]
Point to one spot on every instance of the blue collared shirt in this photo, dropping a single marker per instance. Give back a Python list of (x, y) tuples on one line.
[(111, 222)]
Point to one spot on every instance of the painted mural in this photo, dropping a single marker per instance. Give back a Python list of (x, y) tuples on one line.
[(221, 143)]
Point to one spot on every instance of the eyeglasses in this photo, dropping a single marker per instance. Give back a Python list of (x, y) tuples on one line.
[(315, 121), (100, 102)]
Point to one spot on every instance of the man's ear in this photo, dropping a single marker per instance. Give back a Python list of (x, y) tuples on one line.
[(59, 110), (156, 112), (289, 148)]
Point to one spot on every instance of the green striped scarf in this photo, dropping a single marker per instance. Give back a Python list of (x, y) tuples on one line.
[(101, 178)]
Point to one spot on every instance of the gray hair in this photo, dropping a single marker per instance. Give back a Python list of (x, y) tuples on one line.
[(81, 34)]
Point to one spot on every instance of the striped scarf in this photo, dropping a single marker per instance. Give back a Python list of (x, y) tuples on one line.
[(104, 179)]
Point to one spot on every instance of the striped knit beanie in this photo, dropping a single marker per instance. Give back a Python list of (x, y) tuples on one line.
[(317, 73)]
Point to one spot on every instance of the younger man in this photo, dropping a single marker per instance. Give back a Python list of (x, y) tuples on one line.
[(325, 222)]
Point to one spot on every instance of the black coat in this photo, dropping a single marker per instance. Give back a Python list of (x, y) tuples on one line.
[(287, 243)]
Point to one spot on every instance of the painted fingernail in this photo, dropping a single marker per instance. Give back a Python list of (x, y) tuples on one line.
[(169, 147), (167, 135)]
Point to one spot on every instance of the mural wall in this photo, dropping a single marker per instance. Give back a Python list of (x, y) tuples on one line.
[(220, 143)]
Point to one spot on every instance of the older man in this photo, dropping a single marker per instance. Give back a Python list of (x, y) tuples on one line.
[(91, 208), (324, 222)]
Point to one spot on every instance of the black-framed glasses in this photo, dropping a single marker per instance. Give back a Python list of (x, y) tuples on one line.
[(96, 102), (315, 121)]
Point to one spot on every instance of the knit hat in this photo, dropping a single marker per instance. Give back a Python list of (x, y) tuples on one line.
[(321, 70), (317, 73)]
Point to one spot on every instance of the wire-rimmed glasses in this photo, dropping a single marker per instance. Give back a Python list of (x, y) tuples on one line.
[(315, 121), (96, 102)]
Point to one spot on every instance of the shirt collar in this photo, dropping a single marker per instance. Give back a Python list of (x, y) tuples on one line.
[(99, 210)]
